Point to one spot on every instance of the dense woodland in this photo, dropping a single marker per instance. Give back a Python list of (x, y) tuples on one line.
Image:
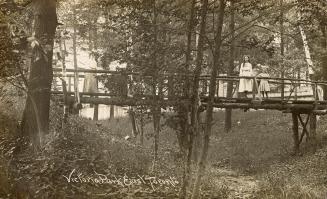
[(226, 156)]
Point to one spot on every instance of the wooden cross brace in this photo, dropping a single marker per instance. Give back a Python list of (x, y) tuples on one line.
[(304, 126), (310, 133)]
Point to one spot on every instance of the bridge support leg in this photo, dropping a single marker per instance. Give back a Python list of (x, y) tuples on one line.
[(296, 138), (310, 134), (313, 128)]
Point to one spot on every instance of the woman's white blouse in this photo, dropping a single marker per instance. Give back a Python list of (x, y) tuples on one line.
[(246, 70)]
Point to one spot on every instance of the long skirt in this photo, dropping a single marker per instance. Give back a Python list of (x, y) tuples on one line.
[(245, 85)]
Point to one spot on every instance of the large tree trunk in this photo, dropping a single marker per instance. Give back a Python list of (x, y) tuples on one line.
[(228, 114), (36, 114), (209, 114)]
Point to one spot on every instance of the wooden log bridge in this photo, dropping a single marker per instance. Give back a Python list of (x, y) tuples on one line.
[(303, 99)]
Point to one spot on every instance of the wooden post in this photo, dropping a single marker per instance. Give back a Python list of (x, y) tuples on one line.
[(96, 112), (69, 84), (312, 132), (217, 89), (96, 107), (254, 87), (112, 112), (314, 88), (296, 132), (65, 115), (135, 131), (295, 90)]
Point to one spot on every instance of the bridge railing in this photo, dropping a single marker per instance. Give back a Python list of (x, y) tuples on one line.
[(172, 85), (313, 88)]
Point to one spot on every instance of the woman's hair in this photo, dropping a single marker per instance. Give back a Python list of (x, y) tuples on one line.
[(243, 61), (247, 57)]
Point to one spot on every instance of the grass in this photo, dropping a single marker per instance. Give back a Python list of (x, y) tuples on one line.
[(251, 160)]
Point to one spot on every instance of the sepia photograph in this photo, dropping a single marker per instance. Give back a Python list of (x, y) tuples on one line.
[(163, 99)]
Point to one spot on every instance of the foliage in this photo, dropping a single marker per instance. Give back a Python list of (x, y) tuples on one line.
[(9, 58)]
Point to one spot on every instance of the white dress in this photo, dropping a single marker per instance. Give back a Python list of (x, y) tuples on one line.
[(264, 84), (90, 83), (246, 84)]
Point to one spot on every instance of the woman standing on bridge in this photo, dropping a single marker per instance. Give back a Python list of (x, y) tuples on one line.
[(245, 84), (264, 87)]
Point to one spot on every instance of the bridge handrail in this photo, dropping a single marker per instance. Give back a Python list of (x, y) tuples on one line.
[(202, 77)]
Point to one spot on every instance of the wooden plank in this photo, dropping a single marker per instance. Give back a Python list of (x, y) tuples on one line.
[(319, 112), (84, 93), (128, 101), (226, 78), (302, 107)]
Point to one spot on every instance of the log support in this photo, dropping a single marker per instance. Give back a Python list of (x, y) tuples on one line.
[(310, 134), (295, 128)]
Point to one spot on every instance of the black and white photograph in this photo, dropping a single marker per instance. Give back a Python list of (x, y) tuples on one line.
[(163, 99)]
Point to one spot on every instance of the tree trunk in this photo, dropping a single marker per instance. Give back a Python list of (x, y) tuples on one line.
[(198, 68), (324, 56), (96, 57), (185, 111), (209, 114), (132, 116), (228, 114), (281, 27), (36, 114), (306, 52), (76, 76), (142, 127), (156, 110)]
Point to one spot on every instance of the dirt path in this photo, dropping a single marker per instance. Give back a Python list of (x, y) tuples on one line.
[(234, 184)]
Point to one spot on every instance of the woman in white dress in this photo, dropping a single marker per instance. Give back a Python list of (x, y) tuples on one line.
[(245, 85)]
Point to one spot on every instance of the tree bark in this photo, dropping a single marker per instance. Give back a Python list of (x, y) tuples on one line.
[(228, 114), (197, 71), (323, 28), (96, 57), (76, 76), (281, 27), (36, 114), (156, 110), (209, 114), (306, 52), (187, 135)]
